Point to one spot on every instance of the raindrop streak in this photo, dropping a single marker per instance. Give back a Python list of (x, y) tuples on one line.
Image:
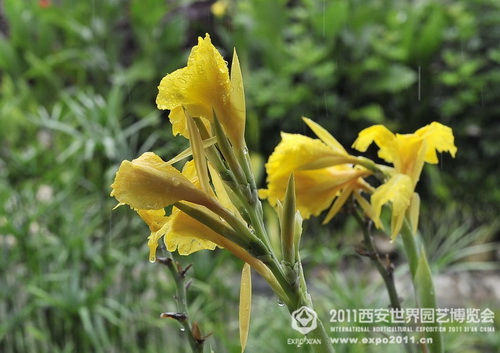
[(419, 83), (326, 104), (324, 18)]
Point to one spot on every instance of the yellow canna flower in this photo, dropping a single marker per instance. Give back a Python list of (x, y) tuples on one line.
[(202, 88), (407, 153), (321, 172), (149, 183)]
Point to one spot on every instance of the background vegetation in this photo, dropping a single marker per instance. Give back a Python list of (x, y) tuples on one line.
[(77, 87)]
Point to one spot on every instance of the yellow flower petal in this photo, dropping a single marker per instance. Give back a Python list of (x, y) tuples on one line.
[(398, 190), (157, 223), (204, 87), (153, 239), (187, 235), (149, 183), (410, 155), (384, 139), (296, 151), (316, 188), (199, 86), (339, 202), (438, 138), (155, 219)]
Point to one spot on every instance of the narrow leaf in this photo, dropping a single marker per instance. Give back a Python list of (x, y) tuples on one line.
[(188, 152), (199, 157), (238, 100), (329, 161), (245, 304), (324, 135), (288, 222), (339, 202), (427, 299), (414, 212)]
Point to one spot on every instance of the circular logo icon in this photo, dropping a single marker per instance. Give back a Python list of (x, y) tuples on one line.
[(304, 320)]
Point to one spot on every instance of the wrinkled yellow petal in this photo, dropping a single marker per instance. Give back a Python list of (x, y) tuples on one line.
[(398, 190), (204, 87), (149, 183), (155, 219), (187, 235), (439, 138), (157, 223), (384, 139), (199, 86), (153, 239)]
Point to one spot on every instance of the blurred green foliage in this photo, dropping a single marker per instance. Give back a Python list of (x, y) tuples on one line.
[(351, 64), (77, 88)]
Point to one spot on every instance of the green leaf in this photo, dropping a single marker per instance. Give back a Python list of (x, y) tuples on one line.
[(288, 222), (198, 150), (245, 304), (396, 78), (426, 296), (373, 113)]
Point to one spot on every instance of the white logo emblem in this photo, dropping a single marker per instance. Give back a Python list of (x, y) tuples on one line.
[(304, 320)]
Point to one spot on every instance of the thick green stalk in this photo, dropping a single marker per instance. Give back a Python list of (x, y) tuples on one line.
[(304, 299), (411, 247), (422, 282)]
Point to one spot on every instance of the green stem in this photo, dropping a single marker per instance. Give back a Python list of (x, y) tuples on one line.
[(321, 334), (304, 299), (386, 273), (411, 248), (422, 282), (179, 276)]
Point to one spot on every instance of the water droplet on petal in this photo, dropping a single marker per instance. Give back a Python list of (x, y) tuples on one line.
[(280, 302), (183, 329)]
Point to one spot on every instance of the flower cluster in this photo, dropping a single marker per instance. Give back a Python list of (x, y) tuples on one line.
[(326, 175), (212, 201)]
